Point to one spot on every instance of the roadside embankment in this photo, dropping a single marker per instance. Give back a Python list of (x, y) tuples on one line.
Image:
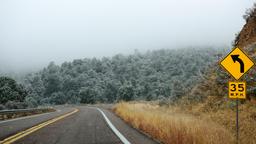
[(167, 126)]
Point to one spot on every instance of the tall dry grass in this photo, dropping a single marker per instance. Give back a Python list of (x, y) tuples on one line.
[(223, 112), (172, 128)]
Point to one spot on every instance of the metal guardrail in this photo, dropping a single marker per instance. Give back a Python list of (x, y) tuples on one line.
[(15, 113), (23, 110)]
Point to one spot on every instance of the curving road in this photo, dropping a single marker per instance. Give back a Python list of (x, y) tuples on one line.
[(85, 125)]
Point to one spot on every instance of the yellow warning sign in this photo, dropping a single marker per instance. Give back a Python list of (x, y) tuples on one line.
[(237, 90), (237, 63)]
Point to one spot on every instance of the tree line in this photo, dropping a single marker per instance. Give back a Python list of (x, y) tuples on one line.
[(160, 74)]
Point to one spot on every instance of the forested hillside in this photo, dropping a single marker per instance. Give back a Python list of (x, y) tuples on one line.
[(161, 74)]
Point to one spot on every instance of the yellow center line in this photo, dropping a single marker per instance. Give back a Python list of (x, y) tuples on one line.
[(24, 133)]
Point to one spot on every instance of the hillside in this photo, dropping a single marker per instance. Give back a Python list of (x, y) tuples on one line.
[(161, 74), (247, 35)]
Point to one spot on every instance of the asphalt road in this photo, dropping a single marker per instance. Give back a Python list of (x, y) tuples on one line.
[(87, 126)]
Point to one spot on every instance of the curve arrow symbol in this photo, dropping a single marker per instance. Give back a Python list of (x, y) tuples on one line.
[(236, 58)]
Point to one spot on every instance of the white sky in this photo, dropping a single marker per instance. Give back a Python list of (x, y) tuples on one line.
[(35, 32)]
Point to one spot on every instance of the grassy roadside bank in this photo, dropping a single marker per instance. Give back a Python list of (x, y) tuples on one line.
[(171, 127)]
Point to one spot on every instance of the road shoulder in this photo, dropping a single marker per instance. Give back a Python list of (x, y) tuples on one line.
[(133, 135)]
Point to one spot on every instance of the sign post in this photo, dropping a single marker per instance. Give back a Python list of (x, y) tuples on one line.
[(237, 63), (237, 122), (237, 90)]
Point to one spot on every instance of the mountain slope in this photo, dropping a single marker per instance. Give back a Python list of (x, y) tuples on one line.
[(247, 35)]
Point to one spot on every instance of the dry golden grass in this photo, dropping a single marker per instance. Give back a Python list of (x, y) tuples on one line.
[(169, 127), (215, 106), (225, 115)]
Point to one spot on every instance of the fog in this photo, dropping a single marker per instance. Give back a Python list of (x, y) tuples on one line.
[(35, 32)]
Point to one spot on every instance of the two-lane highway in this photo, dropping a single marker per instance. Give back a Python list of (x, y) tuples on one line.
[(82, 125)]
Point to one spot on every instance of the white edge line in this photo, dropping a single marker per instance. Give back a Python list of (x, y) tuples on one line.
[(113, 128), (26, 117)]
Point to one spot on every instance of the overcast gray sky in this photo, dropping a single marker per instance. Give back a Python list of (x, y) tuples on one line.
[(35, 32)]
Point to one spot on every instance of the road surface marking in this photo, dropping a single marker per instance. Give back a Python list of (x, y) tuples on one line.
[(113, 128), (24, 133)]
